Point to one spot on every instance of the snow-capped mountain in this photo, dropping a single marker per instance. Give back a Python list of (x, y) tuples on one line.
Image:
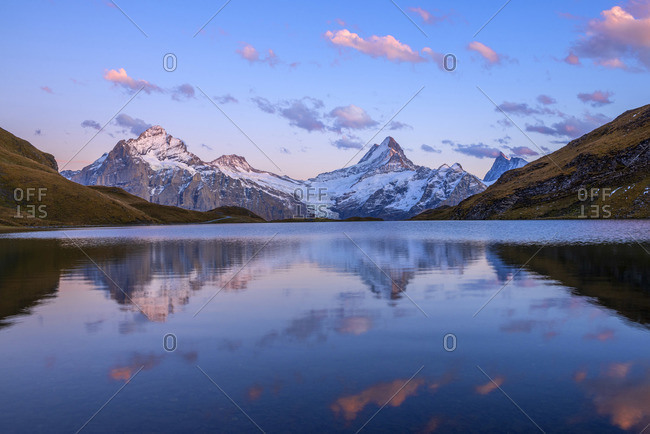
[(501, 165), (384, 183)]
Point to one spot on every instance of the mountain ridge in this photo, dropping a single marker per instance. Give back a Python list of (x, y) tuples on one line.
[(501, 165), (383, 184)]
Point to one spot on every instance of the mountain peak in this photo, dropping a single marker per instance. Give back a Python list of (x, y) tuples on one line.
[(501, 165), (155, 130), (156, 142), (392, 144), (233, 162), (388, 155)]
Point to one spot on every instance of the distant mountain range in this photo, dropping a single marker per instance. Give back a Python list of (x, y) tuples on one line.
[(603, 174), (501, 165), (383, 184)]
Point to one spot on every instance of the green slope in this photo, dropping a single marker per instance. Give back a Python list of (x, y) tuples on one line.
[(24, 170), (611, 163)]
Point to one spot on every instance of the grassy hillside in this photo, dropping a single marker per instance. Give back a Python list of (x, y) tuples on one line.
[(611, 163), (34, 194)]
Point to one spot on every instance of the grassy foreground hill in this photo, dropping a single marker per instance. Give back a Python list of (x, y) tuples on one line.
[(603, 174), (34, 194)]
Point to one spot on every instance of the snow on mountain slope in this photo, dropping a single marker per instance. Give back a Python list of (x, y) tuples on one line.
[(384, 183), (501, 165)]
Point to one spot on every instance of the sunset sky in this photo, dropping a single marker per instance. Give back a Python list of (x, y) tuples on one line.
[(312, 82)]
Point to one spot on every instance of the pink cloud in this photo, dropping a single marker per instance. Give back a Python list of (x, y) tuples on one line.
[(378, 46), (546, 100), (250, 53), (572, 59), (46, 89), (597, 98), (615, 63), (352, 117), (121, 78), (488, 54), (428, 17), (620, 32)]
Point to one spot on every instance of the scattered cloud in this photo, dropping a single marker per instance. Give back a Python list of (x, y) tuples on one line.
[(204, 146), (121, 78), (597, 98), (308, 113), (546, 100), (47, 89), (386, 47), (38, 132), (397, 125), (225, 99), (491, 56), (620, 35), (183, 92), (572, 59), (285, 151), (522, 151), (134, 125), (503, 140), (478, 150), (570, 126), (264, 104), (429, 17), (427, 148), (303, 114), (348, 142), (91, 124), (521, 109), (351, 117), (250, 53)]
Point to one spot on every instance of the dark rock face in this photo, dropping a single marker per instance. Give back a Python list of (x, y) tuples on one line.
[(384, 184)]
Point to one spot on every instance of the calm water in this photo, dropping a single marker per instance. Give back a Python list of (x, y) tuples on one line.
[(427, 326)]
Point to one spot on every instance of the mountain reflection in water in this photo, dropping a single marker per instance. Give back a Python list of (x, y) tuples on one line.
[(320, 332)]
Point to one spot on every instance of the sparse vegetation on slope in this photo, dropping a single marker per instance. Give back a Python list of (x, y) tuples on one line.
[(603, 174), (34, 194)]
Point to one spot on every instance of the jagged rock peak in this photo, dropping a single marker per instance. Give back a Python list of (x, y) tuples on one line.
[(388, 153), (156, 130), (155, 139), (234, 162)]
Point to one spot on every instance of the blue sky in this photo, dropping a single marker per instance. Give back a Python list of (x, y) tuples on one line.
[(336, 73)]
